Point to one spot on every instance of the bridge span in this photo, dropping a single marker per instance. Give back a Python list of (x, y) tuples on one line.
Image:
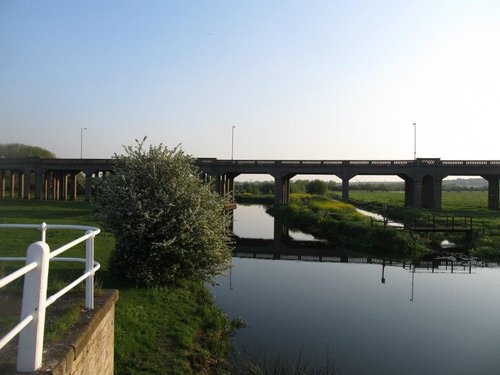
[(57, 178)]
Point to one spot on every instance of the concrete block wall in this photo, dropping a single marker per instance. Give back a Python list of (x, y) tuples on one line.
[(89, 349)]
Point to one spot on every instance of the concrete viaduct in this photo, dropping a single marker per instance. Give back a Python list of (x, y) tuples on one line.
[(57, 178)]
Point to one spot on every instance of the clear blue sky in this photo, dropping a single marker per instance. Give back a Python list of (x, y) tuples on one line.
[(298, 79)]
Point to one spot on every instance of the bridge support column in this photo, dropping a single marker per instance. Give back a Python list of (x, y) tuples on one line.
[(408, 190), (2, 183), (74, 185), (413, 192), (46, 185), (493, 191), (57, 185), (27, 184), (345, 189), (20, 184), (229, 184), (39, 181), (282, 188), (12, 184), (437, 191), (217, 182), (88, 185), (224, 184), (417, 193), (64, 181)]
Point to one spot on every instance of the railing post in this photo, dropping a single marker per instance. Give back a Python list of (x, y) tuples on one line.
[(89, 282), (43, 229), (29, 353)]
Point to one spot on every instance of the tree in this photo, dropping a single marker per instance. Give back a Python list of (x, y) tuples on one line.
[(316, 187), (168, 224), (18, 150)]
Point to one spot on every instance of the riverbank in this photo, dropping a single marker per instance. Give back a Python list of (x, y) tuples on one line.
[(471, 205), (343, 226), (174, 330)]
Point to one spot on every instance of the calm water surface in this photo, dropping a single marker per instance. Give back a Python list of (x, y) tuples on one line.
[(414, 323)]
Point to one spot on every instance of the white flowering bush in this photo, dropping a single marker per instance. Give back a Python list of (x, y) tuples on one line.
[(168, 223)]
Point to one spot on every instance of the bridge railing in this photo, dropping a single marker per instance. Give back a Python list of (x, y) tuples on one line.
[(431, 162), (34, 298), (471, 162)]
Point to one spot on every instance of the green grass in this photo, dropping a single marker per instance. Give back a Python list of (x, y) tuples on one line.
[(170, 331), (175, 330)]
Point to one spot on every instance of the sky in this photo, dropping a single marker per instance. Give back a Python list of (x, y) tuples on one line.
[(322, 80)]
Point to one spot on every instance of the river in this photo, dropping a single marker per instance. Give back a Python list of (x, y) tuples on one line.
[(371, 318)]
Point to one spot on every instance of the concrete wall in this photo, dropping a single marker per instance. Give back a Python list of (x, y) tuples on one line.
[(89, 348)]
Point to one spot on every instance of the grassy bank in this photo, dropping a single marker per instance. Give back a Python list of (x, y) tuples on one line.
[(175, 330), (458, 204), (339, 223)]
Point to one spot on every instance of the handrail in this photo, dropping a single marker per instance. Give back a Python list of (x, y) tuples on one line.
[(35, 301)]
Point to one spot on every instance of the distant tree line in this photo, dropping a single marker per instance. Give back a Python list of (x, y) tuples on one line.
[(322, 187), (19, 150)]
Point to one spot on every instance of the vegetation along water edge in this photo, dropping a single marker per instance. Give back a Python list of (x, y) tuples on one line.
[(343, 226)]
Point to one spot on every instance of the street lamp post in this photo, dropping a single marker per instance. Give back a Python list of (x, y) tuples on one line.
[(414, 141), (232, 141), (81, 142)]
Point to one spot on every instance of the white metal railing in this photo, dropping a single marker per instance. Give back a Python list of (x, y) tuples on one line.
[(34, 300)]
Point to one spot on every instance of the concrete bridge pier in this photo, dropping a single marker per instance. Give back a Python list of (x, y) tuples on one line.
[(282, 188), (423, 191), (74, 185), (27, 184), (432, 188), (12, 184), (39, 182), (229, 184), (64, 186), (88, 185), (493, 191), (20, 181), (224, 184), (413, 191), (2, 184), (345, 189)]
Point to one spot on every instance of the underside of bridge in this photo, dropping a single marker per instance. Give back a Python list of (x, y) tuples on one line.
[(46, 185)]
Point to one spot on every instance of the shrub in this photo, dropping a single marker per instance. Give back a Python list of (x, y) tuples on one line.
[(317, 187), (168, 224)]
